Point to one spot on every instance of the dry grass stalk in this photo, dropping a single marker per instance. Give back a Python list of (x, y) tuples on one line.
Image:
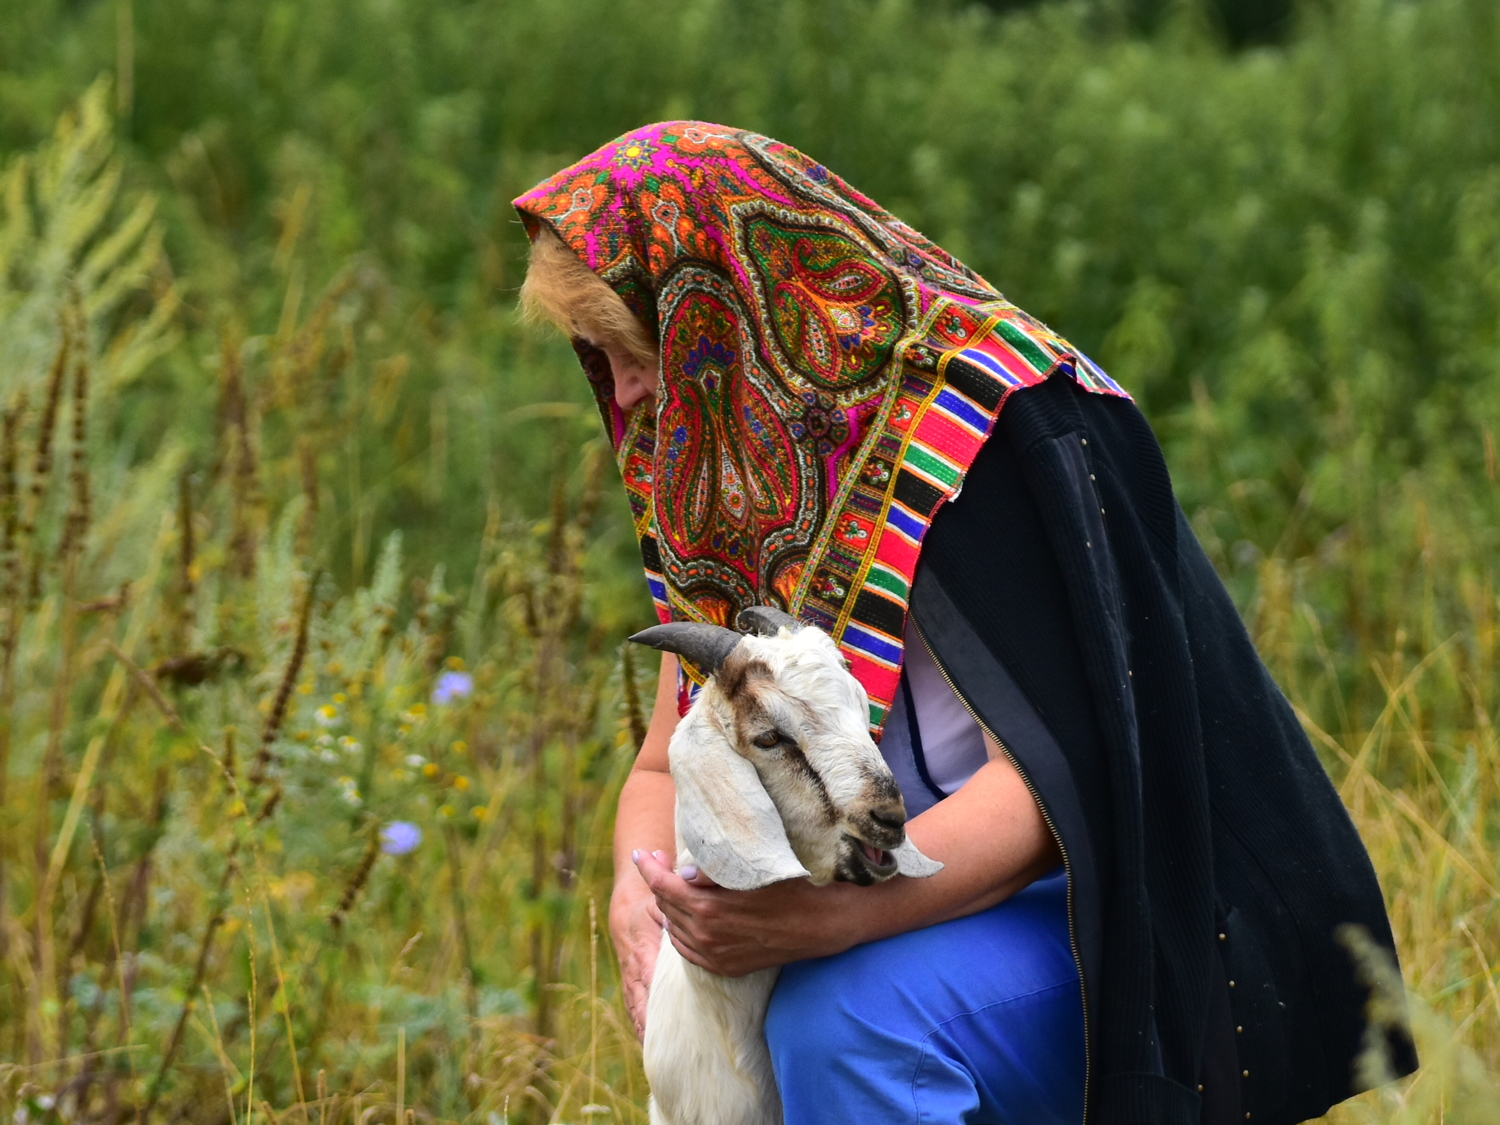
[(235, 426), (9, 569), (147, 684), (186, 551), (356, 882), (50, 774), (461, 918), (76, 524), (220, 901), (302, 348), (635, 716), (307, 463), (119, 962), (268, 807), (227, 765), (47, 1001), (281, 984), (277, 716), (401, 1076), (225, 1067), (41, 466)]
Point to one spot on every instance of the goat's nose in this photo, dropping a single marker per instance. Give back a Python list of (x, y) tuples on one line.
[(890, 816), (885, 824)]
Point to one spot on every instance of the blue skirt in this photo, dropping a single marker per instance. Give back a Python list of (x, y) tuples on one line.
[(978, 1020)]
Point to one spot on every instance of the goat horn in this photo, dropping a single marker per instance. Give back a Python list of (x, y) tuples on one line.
[(765, 621), (704, 645)]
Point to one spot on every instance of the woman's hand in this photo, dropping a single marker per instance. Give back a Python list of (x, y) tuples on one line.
[(737, 932), (635, 925), (644, 822), (990, 836)]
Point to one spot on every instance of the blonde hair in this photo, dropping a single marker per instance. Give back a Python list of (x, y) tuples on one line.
[(560, 289)]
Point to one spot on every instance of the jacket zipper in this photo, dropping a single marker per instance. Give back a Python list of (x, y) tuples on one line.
[(1057, 836)]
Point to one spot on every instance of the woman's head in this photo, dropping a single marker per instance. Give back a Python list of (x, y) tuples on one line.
[(827, 374), (562, 290)]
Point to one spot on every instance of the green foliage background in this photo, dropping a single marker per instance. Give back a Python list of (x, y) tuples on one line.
[(280, 235)]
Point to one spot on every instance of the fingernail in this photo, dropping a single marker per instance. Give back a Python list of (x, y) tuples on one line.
[(635, 856), (665, 924), (661, 856), (689, 873)]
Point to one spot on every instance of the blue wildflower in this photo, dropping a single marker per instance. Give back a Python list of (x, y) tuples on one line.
[(400, 837), (451, 686)]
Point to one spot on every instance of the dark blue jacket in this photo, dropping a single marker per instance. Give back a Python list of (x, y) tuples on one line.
[(1213, 867)]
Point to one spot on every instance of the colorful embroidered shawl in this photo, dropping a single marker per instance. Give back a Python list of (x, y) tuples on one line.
[(828, 375)]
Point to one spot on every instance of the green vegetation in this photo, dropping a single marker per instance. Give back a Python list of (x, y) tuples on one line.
[(277, 464)]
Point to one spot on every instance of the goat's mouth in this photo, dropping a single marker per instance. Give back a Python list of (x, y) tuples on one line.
[(864, 863)]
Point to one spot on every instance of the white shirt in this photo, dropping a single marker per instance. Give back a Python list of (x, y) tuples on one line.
[(933, 756)]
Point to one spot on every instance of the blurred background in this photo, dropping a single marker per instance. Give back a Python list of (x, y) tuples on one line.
[(314, 569)]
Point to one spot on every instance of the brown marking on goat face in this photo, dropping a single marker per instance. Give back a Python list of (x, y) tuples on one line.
[(739, 674)]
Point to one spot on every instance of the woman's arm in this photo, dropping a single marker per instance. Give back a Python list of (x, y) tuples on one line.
[(644, 823), (990, 836)]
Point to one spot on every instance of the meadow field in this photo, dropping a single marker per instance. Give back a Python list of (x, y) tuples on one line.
[(315, 568)]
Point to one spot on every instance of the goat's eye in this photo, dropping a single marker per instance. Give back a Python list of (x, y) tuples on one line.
[(766, 739)]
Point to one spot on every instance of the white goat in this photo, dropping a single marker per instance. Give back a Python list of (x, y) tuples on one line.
[(777, 778)]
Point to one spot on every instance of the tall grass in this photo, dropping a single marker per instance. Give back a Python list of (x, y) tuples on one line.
[(305, 544), (207, 743)]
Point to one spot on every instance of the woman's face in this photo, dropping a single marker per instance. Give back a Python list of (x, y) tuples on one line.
[(634, 381)]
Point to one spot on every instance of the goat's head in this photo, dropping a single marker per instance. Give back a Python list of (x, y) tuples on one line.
[(776, 773)]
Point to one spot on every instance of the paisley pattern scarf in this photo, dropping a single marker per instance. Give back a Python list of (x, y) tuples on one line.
[(828, 375)]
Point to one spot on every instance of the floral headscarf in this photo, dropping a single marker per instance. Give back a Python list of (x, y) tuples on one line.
[(827, 377)]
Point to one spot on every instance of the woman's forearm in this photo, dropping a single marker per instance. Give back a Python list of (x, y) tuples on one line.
[(990, 836), (644, 821), (992, 841), (643, 824)]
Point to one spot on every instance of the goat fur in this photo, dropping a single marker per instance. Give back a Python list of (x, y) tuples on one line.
[(747, 822)]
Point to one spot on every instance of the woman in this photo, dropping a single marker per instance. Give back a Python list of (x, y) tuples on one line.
[(1145, 865)]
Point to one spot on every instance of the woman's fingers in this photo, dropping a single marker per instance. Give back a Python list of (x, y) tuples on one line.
[(690, 953), (637, 930), (665, 884), (635, 1003)]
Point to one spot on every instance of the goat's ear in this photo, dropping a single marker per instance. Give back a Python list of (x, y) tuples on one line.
[(724, 815), (912, 863)]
